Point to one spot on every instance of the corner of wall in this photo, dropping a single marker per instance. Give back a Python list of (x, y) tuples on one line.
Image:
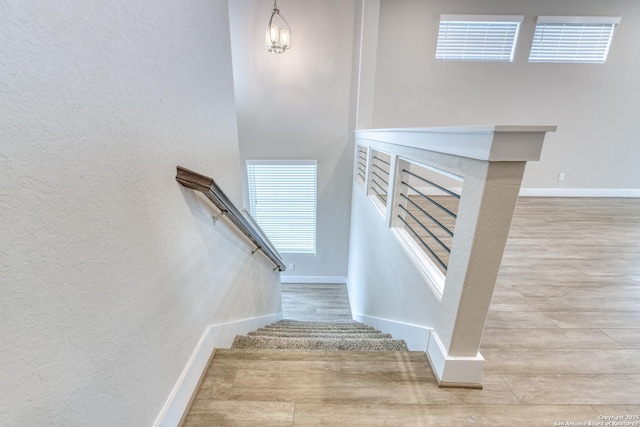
[(214, 336)]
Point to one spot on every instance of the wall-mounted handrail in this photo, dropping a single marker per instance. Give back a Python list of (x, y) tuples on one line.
[(210, 189)]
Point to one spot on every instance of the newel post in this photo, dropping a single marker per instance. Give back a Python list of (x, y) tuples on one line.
[(487, 204)]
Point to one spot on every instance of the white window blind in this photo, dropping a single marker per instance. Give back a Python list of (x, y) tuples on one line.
[(572, 39), (282, 196), (478, 37)]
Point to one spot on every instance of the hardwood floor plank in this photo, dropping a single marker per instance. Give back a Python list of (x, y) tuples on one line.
[(320, 355), (217, 382), (315, 302), (495, 391), (610, 319), (577, 361), (587, 291), (518, 320), (577, 304), (316, 414), (593, 339), (415, 385), (628, 338), (345, 367), (621, 412), (250, 414), (575, 389)]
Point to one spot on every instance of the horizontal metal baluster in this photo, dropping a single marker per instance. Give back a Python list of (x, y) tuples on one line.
[(381, 196), (378, 167), (449, 232), (381, 187), (381, 178), (424, 227), (431, 200), (424, 244), (383, 161), (449, 192)]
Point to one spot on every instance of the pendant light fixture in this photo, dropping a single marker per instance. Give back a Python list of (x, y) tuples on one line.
[(278, 37)]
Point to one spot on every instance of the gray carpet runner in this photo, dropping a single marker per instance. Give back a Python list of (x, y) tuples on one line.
[(303, 335)]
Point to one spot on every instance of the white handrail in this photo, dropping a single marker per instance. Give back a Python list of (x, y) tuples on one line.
[(496, 143)]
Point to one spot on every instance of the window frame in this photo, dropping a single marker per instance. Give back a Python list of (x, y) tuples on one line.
[(459, 54), (575, 39), (308, 247)]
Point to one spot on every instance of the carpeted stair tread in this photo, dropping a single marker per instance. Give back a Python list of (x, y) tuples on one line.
[(316, 331), (310, 335), (317, 322), (316, 355), (322, 334), (289, 322), (312, 330), (322, 331), (312, 343), (336, 326)]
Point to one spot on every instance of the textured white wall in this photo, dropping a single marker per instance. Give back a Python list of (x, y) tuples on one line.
[(594, 105), (297, 106), (111, 270), (383, 281)]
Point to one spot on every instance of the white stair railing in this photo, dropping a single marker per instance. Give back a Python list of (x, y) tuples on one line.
[(449, 199)]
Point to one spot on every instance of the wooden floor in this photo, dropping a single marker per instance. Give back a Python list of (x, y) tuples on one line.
[(562, 343), (315, 302)]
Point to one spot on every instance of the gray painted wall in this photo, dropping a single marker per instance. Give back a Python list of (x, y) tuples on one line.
[(594, 105), (297, 105), (110, 271), (383, 281)]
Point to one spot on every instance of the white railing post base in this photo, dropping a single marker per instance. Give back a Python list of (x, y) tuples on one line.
[(453, 371)]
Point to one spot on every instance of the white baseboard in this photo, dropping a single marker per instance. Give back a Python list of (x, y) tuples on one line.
[(351, 301), (579, 192), (313, 279), (416, 336), (215, 336), (452, 371)]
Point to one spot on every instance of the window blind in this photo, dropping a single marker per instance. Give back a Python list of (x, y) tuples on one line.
[(282, 198), (477, 37), (572, 39)]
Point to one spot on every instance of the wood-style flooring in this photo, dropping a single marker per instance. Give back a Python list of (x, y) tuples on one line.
[(562, 342), (315, 302)]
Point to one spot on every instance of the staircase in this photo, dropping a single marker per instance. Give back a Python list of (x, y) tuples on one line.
[(324, 369), (313, 335)]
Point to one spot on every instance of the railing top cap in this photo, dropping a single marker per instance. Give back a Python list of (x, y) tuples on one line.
[(492, 143), (469, 129)]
